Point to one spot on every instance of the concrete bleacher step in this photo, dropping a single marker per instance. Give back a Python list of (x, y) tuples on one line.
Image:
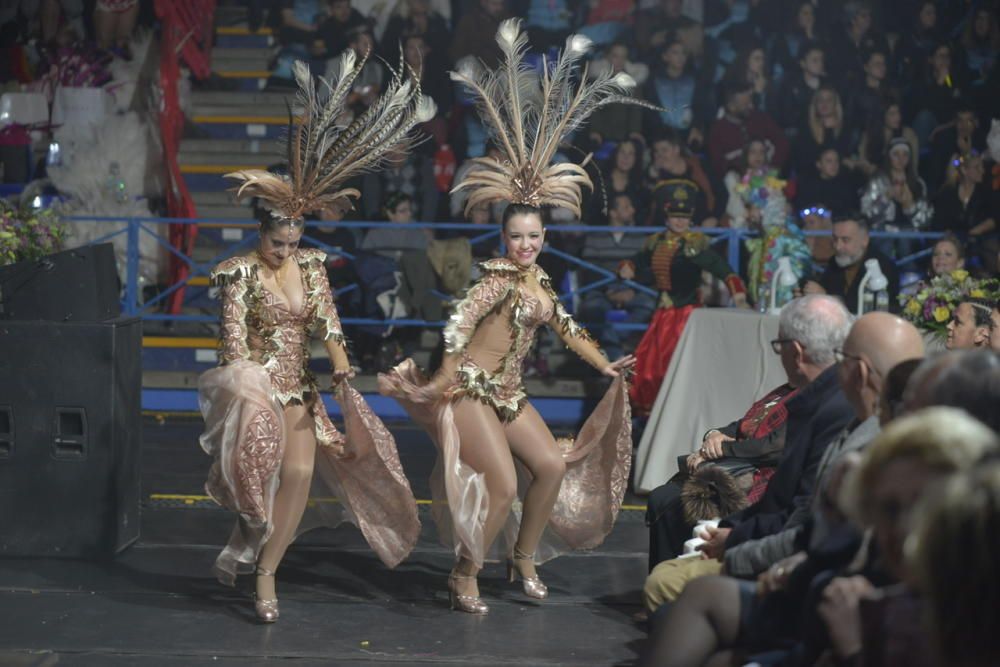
[(240, 59)]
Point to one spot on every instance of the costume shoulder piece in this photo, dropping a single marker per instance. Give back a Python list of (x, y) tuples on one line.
[(311, 255), (233, 270), (695, 243), (652, 240), (498, 265)]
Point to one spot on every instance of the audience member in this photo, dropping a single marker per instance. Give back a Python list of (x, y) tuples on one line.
[(852, 248), (475, 33), (970, 325), (728, 133), (799, 85), (675, 88), (880, 130), (826, 126), (962, 136), (608, 250), (618, 122), (785, 47), (672, 161), (828, 183), (811, 328)]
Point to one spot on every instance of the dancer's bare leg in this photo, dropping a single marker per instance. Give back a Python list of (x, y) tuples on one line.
[(484, 448), (295, 478), (532, 443)]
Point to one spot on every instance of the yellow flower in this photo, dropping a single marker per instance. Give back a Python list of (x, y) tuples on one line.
[(942, 314), (959, 274), (977, 294), (913, 307)]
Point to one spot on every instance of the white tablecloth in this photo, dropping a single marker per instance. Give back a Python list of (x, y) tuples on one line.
[(723, 363)]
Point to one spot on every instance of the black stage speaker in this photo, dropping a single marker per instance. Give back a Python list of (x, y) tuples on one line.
[(70, 434), (78, 285)]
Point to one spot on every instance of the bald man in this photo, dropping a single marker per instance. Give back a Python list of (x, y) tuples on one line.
[(712, 612)]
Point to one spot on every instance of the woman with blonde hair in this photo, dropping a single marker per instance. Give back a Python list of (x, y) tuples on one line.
[(825, 126), (953, 554)]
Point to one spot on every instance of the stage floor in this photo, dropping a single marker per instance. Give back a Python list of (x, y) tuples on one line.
[(158, 604)]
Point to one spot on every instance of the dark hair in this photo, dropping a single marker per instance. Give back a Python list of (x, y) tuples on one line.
[(394, 199), (854, 216), (520, 209), (982, 310), (895, 384), (735, 87), (972, 383), (810, 45), (621, 195)]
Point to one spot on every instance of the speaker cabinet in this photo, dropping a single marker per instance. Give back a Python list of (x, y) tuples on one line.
[(70, 437), (77, 285)]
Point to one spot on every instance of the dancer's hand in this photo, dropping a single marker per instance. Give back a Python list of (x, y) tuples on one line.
[(339, 375), (615, 368)]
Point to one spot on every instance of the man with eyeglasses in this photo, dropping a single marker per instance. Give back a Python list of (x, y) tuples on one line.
[(809, 330), (814, 536)]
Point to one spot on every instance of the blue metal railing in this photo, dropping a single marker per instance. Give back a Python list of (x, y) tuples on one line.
[(133, 228)]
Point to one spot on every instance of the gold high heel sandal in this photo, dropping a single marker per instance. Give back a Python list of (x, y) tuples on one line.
[(267, 610), (533, 586), (470, 604)]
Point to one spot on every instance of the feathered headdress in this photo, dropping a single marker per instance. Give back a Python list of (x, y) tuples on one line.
[(528, 115), (323, 152)]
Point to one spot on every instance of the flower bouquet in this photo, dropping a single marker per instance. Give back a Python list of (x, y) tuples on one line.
[(931, 308), (27, 233)]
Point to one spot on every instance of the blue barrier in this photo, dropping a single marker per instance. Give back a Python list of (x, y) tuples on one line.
[(133, 305)]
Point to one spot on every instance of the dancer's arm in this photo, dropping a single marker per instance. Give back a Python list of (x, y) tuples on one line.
[(482, 299), (233, 278), (328, 326)]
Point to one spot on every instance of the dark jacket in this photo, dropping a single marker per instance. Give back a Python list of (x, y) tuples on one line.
[(834, 280), (816, 415)]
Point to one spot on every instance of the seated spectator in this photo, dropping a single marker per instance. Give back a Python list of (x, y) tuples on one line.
[(952, 566), (727, 134), (818, 218), (980, 43), (881, 129), (852, 248), (335, 28), (299, 36), (798, 87), (475, 33), (433, 80), (654, 27), (617, 122), (896, 198), (672, 161), (970, 325), (623, 175), (961, 136), (785, 47), (935, 97), (608, 250), (826, 127), (608, 20), (917, 43), (810, 330), (366, 87), (858, 37), (948, 255), (418, 18), (548, 22), (828, 183), (339, 268), (751, 66), (456, 202), (754, 162), (391, 242), (408, 173), (968, 208), (750, 446), (865, 100), (674, 87)]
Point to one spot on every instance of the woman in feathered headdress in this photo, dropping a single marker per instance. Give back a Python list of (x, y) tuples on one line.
[(265, 423), (475, 406)]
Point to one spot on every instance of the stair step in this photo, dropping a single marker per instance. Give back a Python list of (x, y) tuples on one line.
[(227, 161), (263, 147), (247, 100), (272, 113)]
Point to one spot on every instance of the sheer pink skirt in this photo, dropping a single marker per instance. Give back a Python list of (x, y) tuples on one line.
[(358, 478), (597, 468)]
